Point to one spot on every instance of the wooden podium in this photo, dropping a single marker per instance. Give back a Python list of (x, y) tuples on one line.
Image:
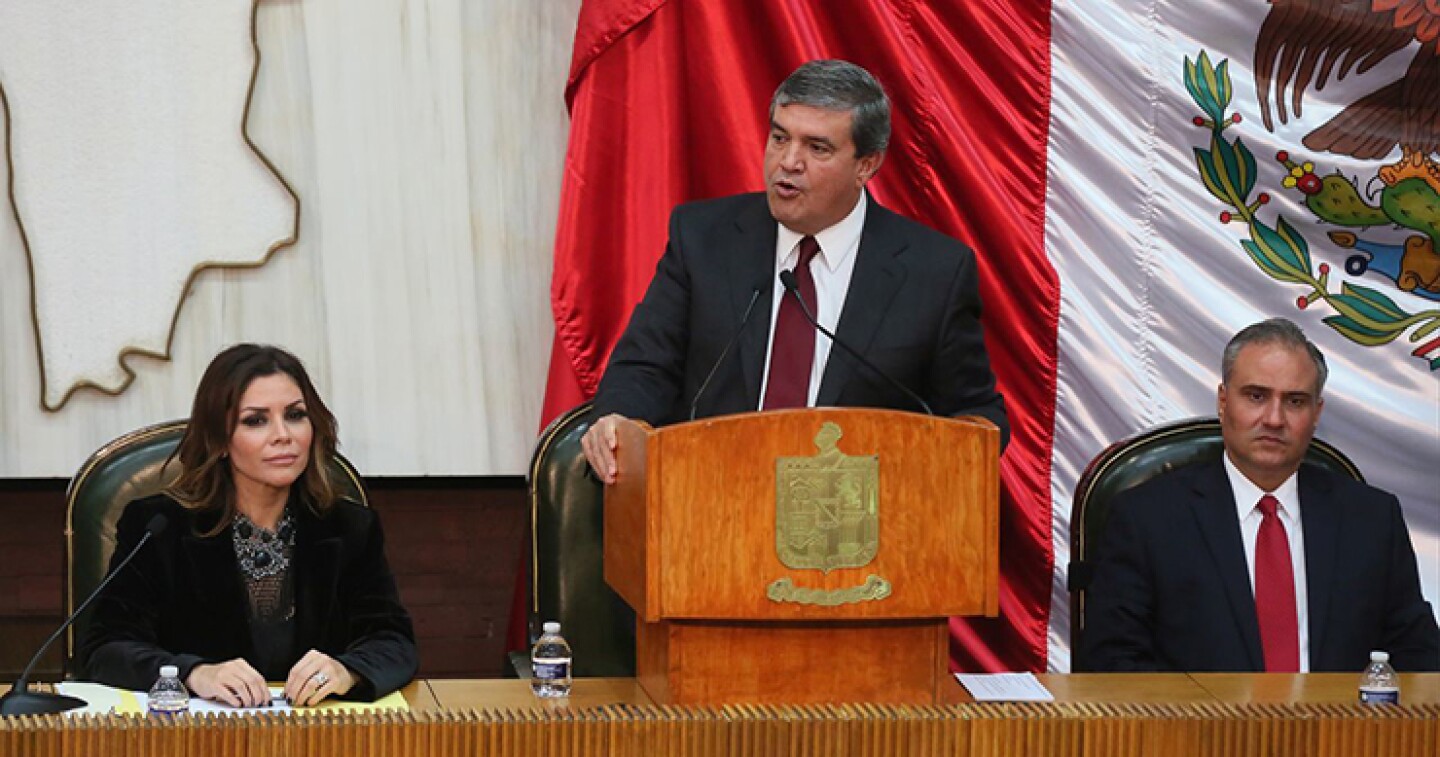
[(803, 556)]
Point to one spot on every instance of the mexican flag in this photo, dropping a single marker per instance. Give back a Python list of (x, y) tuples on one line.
[(1140, 180)]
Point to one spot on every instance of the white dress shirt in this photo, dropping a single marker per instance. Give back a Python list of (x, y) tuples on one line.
[(831, 270), (1247, 507)]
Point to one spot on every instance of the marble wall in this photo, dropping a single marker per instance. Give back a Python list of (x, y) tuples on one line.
[(425, 141)]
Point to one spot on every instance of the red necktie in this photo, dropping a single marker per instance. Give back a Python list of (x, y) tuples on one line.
[(792, 354), (1275, 592)]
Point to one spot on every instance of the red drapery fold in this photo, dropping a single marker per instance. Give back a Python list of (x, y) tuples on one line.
[(669, 103)]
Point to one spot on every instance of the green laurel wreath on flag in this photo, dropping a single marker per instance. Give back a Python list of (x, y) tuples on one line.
[(1363, 314)]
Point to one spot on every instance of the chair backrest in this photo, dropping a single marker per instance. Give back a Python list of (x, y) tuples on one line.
[(1131, 462), (123, 470), (567, 577)]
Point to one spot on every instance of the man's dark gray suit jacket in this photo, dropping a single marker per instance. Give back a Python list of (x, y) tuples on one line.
[(913, 309), (1172, 586)]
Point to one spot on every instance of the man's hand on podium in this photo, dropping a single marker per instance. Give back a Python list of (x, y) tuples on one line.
[(599, 444)]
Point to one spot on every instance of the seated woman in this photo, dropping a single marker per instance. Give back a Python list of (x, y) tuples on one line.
[(262, 572)]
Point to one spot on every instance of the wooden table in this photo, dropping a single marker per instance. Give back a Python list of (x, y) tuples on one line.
[(514, 694), (1094, 715), (1114, 688), (1105, 687), (1135, 688), (420, 696), (1309, 688)]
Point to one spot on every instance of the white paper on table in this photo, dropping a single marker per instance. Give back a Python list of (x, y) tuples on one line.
[(104, 700), (200, 706), (1004, 687), (99, 698)]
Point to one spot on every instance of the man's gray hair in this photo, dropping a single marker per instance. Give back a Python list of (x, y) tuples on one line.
[(841, 85), (1274, 331)]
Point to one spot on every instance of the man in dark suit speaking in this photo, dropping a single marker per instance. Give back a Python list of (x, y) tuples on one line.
[(903, 295), (1257, 562)]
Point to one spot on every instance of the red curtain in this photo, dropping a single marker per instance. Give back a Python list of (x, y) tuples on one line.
[(669, 102)]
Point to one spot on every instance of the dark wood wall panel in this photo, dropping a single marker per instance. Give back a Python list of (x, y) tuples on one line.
[(454, 545), (32, 563)]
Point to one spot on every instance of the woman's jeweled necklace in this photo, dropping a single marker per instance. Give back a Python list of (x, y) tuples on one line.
[(262, 552)]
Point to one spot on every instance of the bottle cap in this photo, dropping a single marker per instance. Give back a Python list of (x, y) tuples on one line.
[(552, 626), (1378, 656), (169, 671)]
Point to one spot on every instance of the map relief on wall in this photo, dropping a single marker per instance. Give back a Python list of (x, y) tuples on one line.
[(130, 171)]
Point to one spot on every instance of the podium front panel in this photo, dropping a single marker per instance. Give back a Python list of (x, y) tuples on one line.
[(823, 514)]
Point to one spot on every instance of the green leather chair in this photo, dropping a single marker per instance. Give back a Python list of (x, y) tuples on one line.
[(567, 579), (1132, 462), (126, 469)]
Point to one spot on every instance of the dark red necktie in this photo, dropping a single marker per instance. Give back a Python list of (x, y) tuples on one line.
[(1275, 592), (792, 353)]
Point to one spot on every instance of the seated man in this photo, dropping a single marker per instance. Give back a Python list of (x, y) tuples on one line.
[(1257, 562), (903, 295)]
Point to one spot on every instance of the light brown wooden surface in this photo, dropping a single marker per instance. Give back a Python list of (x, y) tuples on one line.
[(686, 662), (1418, 689), (974, 730), (1144, 688), (1133, 688), (419, 696), (1315, 688), (693, 543), (630, 525), (517, 694), (501, 718), (714, 485)]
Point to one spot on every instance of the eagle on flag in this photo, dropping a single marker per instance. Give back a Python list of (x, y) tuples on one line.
[(1302, 41)]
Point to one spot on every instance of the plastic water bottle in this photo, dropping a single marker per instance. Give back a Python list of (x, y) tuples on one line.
[(550, 659), (1379, 684), (169, 696)]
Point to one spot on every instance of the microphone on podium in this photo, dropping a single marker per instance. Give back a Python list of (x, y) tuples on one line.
[(787, 278), (20, 700), (760, 288)]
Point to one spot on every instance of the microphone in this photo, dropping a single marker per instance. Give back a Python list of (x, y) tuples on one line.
[(760, 288), (787, 278), (20, 700)]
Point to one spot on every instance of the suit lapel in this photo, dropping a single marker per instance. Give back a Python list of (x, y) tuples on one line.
[(1320, 518), (317, 575), (215, 581), (1214, 509), (876, 279), (752, 262)]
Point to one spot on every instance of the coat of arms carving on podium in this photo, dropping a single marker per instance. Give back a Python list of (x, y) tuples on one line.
[(827, 513)]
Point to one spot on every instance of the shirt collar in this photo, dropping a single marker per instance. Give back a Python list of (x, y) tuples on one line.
[(1247, 494), (837, 242)]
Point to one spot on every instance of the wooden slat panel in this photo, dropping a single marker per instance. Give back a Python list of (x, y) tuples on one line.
[(865, 730)]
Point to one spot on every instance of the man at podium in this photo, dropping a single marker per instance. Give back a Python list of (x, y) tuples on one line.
[(729, 322)]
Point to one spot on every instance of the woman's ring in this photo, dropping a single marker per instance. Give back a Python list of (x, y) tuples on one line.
[(321, 679)]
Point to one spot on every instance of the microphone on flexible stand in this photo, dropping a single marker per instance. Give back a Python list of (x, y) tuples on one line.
[(20, 700), (787, 278), (760, 288)]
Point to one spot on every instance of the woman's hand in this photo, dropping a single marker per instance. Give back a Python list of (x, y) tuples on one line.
[(233, 682), (317, 675)]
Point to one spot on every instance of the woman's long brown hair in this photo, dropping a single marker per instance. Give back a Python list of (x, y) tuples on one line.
[(206, 482)]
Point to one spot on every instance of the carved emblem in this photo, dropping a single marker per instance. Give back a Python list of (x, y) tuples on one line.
[(784, 590), (827, 513)]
